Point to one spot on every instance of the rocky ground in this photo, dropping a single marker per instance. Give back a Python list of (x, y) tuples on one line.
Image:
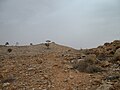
[(58, 67)]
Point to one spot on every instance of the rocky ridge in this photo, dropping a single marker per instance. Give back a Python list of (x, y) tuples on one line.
[(36, 67)]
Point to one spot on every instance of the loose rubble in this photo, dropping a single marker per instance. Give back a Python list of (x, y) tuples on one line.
[(36, 67)]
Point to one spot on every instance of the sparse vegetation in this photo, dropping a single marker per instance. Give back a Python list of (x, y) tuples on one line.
[(80, 66), (107, 44), (7, 43), (47, 44), (84, 66), (59, 65), (31, 44), (91, 59), (9, 50), (93, 69)]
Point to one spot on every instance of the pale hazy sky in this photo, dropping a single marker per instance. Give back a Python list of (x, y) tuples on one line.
[(76, 23)]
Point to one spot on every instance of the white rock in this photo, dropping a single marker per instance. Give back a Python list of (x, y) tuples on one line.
[(6, 84)]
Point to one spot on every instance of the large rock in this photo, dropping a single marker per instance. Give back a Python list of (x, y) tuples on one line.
[(117, 54)]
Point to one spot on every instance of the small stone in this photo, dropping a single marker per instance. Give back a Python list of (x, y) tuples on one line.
[(65, 70), (65, 80), (45, 82), (52, 86), (39, 61), (96, 82), (71, 77), (40, 88), (55, 65), (44, 89), (90, 75), (112, 77), (33, 88), (104, 87), (6, 84), (105, 64), (46, 76), (69, 66), (49, 86), (29, 69)]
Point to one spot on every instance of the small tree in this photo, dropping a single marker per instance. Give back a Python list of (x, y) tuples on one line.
[(47, 44), (7, 43), (31, 44)]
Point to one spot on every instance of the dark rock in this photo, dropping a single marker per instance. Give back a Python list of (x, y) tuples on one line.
[(8, 80), (112, 77)]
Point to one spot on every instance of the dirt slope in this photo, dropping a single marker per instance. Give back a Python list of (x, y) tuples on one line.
[(38, 68)]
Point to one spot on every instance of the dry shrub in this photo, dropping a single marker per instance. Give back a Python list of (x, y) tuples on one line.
[(93, 69), (9, 50), (101, 56), (84, 66), (31, 44), (47, 45), (91, 59), (7, 43), (81, 66), (107, 44)]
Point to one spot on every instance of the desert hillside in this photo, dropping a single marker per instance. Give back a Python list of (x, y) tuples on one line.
[(36, 67)]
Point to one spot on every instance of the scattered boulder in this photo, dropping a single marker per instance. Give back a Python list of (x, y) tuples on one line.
[(117, 54), (105, 63), (113, 77), (5, 84)]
